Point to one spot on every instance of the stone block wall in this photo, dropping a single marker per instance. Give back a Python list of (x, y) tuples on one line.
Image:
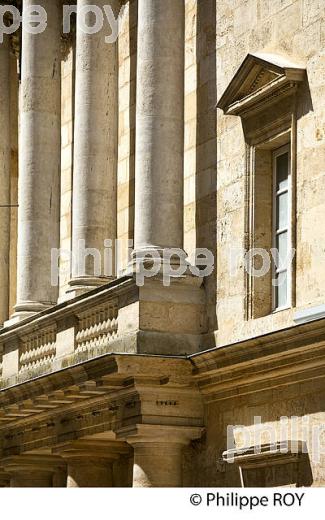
[(294, 28), (127, 50), (67, 117), (13, 182), (302, 406), (200, 131)]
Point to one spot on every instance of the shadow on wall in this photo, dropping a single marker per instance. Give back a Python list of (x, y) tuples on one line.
[(206, 144), (304, 100), (133, 25)]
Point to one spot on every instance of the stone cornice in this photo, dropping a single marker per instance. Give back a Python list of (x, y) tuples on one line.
[(261, 80), (104, 394), (280, 358)]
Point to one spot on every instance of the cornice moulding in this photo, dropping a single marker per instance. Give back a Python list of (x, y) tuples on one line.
[(261, 80)]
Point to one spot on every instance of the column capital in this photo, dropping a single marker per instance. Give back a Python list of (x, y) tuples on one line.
[(90, 462), (159, 434), (94, 449), (32, 470), (31, 462)]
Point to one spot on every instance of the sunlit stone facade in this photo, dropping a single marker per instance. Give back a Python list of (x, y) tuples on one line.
[(165, 139)]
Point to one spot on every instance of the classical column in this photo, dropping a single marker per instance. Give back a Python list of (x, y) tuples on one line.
[(32, 470), (95, 151), (158, 453), (159, 127), (4, 177), (90, 463), (39, 162)]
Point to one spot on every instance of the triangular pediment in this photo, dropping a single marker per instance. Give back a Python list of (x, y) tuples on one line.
[(260, 78)]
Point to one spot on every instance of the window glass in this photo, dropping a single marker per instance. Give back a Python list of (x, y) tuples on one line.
[(282, 248), (282, 211), (282, 289), (281, 228), (282, 171)]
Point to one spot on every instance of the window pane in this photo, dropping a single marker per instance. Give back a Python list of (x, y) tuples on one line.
[(282, 171), (282, 211), (282, 247), (281, 290)]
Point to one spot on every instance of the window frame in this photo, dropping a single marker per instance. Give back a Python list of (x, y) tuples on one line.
[(276, 232)]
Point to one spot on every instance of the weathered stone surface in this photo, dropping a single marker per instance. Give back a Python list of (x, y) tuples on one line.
[(113, 386)]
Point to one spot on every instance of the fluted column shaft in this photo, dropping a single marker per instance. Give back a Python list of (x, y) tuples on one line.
[(160, 126), (39, 162), (4, 177), (95, 148)]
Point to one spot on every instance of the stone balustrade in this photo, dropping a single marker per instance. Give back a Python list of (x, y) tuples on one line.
[(97, 328), (38, 351), (119, 317), (66, 334)]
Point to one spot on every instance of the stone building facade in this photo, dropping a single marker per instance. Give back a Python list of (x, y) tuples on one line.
[(201, 127)]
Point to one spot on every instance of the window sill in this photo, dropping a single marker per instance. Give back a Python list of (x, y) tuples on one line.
[(280, 309)]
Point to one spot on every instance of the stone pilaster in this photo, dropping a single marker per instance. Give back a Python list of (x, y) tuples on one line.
[(158, 453), (4, 177), (95, 153), (39, 163), (160, 127)]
